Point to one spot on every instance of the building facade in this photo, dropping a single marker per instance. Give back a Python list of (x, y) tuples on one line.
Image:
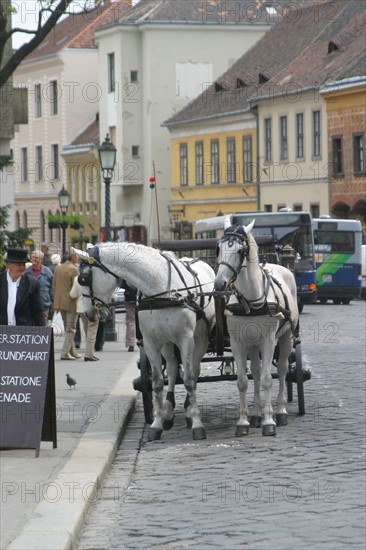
[(346, 118), (152, 63)]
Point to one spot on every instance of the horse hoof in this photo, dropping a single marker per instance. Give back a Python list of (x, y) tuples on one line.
[(281, 419), (154, 434), (241, 430), (255, 421), (189, 422), (168, 424), (269, 429), (199, 433)]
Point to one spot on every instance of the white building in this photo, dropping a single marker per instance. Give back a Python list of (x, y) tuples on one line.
[(153, 60)]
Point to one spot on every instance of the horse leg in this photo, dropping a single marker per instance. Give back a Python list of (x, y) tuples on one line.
[(267, 351), (172, 370), (285, 347), (255, 369), (240, 354), (154, 355), (191, 372)]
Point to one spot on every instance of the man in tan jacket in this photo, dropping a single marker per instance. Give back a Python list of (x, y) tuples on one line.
[(63, 280)]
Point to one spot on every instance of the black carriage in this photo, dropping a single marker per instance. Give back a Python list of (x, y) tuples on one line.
[(219, 350)]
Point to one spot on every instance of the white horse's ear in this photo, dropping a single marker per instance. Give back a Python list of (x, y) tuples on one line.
[(248, 228), (80, 253), (227, 222)]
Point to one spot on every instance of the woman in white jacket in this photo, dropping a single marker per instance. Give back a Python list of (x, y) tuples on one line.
[(90, 327)]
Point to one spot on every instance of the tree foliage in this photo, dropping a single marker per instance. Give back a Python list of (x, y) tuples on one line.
[(48, 16), (10, 238)]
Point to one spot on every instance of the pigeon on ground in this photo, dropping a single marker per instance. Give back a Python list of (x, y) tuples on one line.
[(70, 381)]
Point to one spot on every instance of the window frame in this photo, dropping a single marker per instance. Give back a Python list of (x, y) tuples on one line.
[(37, 100), (247, 159), (111, 63), (268, 139), (215, 161), (316, 127), (183, 164), (337, 157), (283, 138), (300, 136), (24, 164), (39, 164), (230, 160), (199, 156), (54, 98), (55, 153), (358, 154)]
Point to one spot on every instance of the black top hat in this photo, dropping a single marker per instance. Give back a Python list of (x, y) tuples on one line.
[(17, 255)]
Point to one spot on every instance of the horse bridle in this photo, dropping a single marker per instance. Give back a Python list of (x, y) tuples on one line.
[(235, 234), (85, 278)]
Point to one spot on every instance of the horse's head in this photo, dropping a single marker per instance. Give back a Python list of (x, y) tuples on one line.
[(232, 253), (98, 282)]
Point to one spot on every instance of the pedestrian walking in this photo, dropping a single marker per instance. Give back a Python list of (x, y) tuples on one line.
[(130, 302), (20, 293), (55, 261), (46, 260), (90, 327), (63, 280), (44, 276)]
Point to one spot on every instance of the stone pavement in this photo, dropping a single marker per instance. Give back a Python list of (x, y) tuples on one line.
[(44, 500)]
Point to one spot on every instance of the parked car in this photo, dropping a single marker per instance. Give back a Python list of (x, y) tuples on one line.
[(118, 300)]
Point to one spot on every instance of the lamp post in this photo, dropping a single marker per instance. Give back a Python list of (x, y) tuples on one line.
[(107, 159), (63, 199)]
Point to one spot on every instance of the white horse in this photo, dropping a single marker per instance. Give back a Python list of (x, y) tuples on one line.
[(173, 311), (262, 312)]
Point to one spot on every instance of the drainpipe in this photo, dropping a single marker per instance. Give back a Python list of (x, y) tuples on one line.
[(254, 112)]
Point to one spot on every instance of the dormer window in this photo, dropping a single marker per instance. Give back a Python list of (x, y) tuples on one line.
[(240, 83), (332, 47), (262, 78), (218, 87)]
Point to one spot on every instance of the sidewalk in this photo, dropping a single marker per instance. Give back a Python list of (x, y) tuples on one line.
[(44, 500)]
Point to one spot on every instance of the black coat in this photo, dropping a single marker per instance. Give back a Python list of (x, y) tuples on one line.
[(28, 307), (130, 293)]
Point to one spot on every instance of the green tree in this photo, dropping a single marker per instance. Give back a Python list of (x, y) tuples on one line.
[(10, 238)]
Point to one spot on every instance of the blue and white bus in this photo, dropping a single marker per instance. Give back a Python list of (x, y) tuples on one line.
[(338, 246), (288, 229)]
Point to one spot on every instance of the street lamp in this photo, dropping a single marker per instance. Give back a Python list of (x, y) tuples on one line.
[(107, 159), (63, 199)]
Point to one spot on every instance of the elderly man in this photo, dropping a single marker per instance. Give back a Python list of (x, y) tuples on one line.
[(63, 279), (20, 294), (44, 275)]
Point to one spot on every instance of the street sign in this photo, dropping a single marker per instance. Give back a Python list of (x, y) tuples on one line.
[(27, 387)]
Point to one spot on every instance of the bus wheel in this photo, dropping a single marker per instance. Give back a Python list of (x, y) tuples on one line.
[(346, 301), (336, 301), (300, 306), (323, 300)]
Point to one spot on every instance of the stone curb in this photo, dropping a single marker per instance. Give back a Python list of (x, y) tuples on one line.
[(57, 521)]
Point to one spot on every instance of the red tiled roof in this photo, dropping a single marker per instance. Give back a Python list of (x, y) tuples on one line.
[(77, 30), (286, 53), (89, 135)]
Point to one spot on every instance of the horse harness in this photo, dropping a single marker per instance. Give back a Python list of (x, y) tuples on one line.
[(156, 301), (176, 299), (260, 306)]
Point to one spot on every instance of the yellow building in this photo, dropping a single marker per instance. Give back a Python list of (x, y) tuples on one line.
[(84, 183)]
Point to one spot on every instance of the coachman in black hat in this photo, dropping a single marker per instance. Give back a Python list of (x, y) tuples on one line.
[(20, 297)]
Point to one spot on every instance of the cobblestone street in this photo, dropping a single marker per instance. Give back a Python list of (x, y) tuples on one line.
[(304, 488)]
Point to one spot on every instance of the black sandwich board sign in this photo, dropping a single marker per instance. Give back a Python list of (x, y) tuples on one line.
[(27, 387)]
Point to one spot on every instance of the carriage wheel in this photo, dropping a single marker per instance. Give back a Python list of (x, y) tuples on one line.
[(146, 389), (299, 379), (219, 325)]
